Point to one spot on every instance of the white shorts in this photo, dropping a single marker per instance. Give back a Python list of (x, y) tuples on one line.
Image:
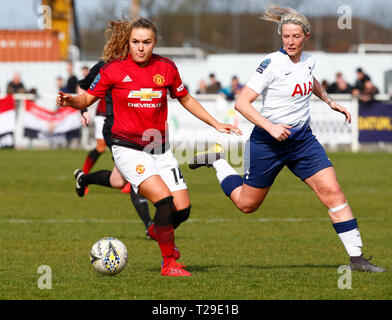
[(136, 166), (98, 126)]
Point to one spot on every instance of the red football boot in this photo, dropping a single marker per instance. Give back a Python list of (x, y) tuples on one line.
[(174, 269)]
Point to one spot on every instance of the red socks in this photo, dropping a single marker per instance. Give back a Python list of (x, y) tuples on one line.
[(164, 235), (90, 160), (151, 232)]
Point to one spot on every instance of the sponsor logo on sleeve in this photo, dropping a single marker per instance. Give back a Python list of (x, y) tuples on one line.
[(180, 88), (95, 82), (263, 65)]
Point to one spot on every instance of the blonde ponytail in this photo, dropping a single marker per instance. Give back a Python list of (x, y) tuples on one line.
[(282, 15)]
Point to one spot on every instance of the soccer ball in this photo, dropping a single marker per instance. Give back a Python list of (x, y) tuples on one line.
[(109, 256)]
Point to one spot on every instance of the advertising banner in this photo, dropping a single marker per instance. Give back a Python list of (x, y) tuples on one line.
[(375, 122)]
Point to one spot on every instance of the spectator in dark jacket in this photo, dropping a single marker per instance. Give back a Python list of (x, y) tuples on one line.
[(340, 85), (362, 77), (368, 92), (214, 85), (15, 85), (72, 82)]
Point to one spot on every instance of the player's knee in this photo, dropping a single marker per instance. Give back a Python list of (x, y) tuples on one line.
[(101, 146), (335, 191), (247, 209), (248, 206), (117, 182), (334, 197), (181, 215), (101, 149)]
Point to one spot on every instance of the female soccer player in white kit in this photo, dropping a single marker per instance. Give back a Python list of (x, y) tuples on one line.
[(282, 135)]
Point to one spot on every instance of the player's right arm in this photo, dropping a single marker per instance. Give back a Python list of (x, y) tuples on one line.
[(261, 79), (79, 102), (244, 106)]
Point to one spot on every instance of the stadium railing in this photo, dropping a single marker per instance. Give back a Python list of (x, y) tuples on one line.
[(187, 131)]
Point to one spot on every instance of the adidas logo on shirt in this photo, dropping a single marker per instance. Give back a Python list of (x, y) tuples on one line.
[(127, 79)]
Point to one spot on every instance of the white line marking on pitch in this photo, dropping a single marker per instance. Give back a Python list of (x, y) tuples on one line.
[(212, 220)]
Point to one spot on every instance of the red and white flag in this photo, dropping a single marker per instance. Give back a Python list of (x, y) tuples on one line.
[(7, 122), (55, 126)]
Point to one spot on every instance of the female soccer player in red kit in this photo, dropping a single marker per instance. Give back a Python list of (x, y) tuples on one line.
[(139, 84)]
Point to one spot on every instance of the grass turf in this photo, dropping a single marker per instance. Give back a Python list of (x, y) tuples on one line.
[(286, 250)]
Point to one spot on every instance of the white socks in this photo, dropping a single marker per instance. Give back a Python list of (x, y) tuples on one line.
[(223, 169), (348, 233)]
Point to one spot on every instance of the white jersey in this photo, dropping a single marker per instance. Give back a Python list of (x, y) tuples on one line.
[(286, 88)]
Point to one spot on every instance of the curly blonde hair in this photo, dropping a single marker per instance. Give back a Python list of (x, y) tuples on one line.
[(118, 33)]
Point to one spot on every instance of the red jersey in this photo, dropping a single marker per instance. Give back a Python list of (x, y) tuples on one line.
[(139, 98)]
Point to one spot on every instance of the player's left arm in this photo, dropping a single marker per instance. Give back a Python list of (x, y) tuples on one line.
[(319, 91), (194, 107)]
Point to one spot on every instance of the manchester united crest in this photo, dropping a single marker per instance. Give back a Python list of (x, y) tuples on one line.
[(140, 169), (159, 79)]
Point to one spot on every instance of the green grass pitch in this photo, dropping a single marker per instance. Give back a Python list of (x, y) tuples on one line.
[(286, 250)]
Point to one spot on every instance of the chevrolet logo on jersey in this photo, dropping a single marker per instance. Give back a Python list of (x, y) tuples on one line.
[(145, 94)]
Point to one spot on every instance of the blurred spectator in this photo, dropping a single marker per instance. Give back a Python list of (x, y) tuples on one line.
[(85, 71), (15, 85), (359, 83), (233, 90), (60, 84), (214, 85), (202, 87), (340, 85), (72, 82), (368, 92)]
